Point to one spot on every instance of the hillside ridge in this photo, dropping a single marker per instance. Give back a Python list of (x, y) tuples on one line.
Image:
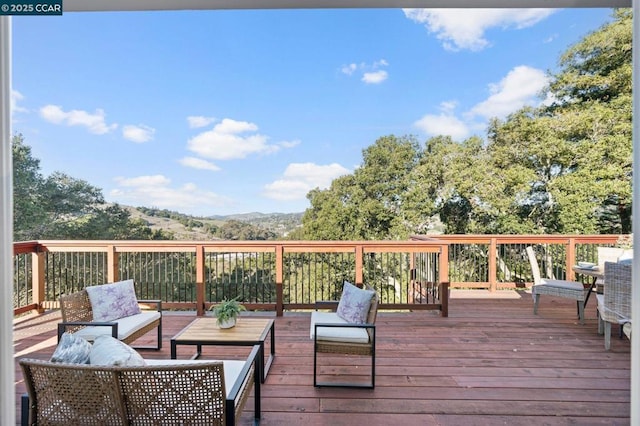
[(188, 227)]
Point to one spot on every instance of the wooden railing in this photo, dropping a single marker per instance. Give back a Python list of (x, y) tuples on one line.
[(289, 275)]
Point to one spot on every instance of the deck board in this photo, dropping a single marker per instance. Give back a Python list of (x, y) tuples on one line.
[(491, 362)]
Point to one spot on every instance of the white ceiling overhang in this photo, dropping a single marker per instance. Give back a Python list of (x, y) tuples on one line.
[(124, 5), (7, 362)]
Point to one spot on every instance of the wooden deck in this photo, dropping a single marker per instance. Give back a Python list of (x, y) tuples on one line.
[(491, 362)]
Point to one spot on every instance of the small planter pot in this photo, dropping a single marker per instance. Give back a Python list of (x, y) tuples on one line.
[(231, 322)]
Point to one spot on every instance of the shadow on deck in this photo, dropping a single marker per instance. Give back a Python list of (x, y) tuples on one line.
[(491, 362)]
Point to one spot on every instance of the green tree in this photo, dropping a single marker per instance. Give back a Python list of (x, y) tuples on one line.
[(27, 186), (561, 168), (575, 155), (369, 203), (62, 207)]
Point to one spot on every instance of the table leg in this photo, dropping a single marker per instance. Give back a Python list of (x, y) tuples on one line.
[(266, 363), (592, 287), (173, 349)]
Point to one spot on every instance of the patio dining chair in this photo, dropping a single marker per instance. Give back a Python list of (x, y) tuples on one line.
[(553, 287)]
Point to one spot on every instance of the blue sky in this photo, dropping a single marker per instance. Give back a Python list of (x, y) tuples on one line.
[(223, 112)]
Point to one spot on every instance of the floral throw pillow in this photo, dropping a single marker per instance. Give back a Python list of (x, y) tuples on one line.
[(113, 301), (354, 303)]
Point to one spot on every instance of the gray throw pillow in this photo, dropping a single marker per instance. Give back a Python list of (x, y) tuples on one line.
[(72, 349)]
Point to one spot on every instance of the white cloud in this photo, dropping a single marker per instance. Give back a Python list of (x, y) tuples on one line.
[(197, 121), (157, 191), (14, 99), (138, 134), (230, 139), (465, 28), (300, 178), (376, 77), (445, 123), (289, 144), (349, 69), (371, 73), (95, 123), (522, 86), (198, 163)]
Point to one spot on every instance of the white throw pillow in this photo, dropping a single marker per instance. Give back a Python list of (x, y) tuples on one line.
[(72, 349), (109, 351), (354, 303), (112, 301)]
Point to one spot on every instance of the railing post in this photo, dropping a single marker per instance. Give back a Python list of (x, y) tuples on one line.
[(37, 280), (359, 266), (112, 264), (200, 281), (571, 259), (443, 293), (443, 267), (279, 280), (493, 269)]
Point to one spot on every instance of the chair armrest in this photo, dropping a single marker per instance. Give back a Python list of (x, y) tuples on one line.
[(354, 325), (326, 304), (366, 326), (146, 304), (238, 386), (252, 359), (62, 326)]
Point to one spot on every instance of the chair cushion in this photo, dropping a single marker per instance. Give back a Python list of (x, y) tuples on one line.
[(569, 285), (354, 303), (126, 326), (336, 334), (109, 351), (72, 349), (232, 369), (112, 301)]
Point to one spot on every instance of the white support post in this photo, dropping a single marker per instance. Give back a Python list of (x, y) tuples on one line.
[(635, 273), (7, 365)]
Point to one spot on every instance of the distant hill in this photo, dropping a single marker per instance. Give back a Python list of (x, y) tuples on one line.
[(279, 223), (187, 227)]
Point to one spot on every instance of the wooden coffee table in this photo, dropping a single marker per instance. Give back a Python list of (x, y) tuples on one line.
[(247, 332)]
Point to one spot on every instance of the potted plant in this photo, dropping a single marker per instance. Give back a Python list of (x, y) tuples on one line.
[(227, 312)]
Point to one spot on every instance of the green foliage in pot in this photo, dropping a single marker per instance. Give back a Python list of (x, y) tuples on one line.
[(227, 309)]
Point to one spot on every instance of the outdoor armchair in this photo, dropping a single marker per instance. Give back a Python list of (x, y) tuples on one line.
[(333, 334), (614, 305), (79, 315)]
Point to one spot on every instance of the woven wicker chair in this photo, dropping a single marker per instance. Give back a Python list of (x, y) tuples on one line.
[(614, 306), (168, 392), (347, 347), (552, 287), (77, 316)]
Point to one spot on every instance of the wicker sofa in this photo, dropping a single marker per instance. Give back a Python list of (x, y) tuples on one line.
[(77, 317), (163, 392)]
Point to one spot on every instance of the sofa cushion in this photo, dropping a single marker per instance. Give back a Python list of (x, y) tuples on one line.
[(109, 351), (112, 301), (72, 349), (126, 326), (337, 334), (354, 303)]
